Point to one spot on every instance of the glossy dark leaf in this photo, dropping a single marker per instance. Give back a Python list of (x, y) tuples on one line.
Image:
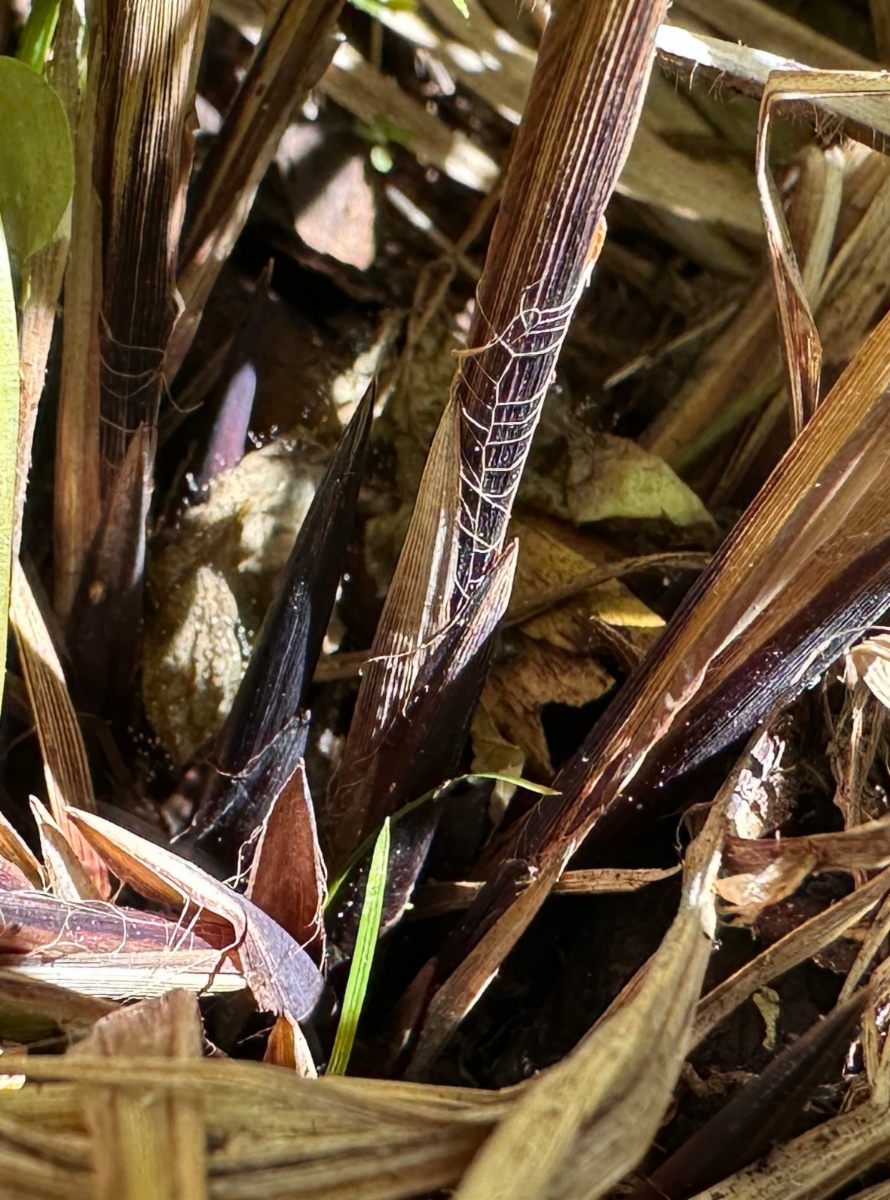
[(425, 741), (264, 736)]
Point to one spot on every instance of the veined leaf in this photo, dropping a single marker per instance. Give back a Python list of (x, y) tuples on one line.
[(366, 943)]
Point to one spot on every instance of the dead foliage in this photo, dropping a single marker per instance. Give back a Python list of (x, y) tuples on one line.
[(450, 570)]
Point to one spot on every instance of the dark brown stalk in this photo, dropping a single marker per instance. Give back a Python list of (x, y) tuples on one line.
[(586, 95), (762, 1114), (585, 99), (803, 573), (134, 157), (259, 747), (292, 56)]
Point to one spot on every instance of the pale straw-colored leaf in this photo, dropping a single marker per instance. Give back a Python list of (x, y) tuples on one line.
[(816, 1164), (65, 766), (147, 1145), (65, 872)]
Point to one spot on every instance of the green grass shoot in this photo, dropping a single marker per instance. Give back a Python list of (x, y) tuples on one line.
[(37, 36), (498, 776), (365, 945), (9, 429)]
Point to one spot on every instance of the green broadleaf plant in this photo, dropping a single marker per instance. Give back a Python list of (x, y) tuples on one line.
[(36, 159)]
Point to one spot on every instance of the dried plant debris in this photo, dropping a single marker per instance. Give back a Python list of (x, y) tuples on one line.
[(447, 433)]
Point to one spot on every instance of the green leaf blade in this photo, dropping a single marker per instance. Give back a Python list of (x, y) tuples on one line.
[(10, 390), (363, 958)]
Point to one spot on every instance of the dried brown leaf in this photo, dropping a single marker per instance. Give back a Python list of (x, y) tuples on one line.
[(279, 972), (102, 949), (766, 871), (800, 338), (795, 947), (287, 1047), (287, 878), (65, 763), (65, 873)]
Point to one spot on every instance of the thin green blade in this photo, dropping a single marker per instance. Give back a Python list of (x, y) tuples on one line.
[(365, 945), (9, 428)]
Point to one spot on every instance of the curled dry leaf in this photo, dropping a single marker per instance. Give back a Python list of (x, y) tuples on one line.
[(800, 338), (287, 1047), (794, 948), (268, 1133), (280, 973), (65, 872), (12, 878), (103, 949), (869, 661), (861, 115), (766, 871)]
